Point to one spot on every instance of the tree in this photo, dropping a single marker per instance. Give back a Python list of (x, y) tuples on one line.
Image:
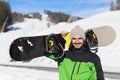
[(17, 17), (112, 8), (57, 16), (5, 12), (118, 5)]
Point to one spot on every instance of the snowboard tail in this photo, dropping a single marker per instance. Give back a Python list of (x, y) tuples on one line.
[(27, 48), (106, 35)]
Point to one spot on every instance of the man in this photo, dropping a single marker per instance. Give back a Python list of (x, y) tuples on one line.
[(79, 63)]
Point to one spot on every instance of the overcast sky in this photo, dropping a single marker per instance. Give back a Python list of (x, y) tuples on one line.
[(81, 8)]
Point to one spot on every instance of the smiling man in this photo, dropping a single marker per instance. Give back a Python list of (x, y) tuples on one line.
[(79, 63), (77, 36)]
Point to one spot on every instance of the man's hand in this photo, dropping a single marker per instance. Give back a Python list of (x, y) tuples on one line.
[(63, 33)]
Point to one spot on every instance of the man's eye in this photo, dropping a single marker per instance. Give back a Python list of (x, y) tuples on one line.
[(73, 38)]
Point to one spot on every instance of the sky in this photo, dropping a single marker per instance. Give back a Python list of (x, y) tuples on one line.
[(80, 8)]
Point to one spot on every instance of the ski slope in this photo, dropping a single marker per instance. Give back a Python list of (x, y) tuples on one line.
[(32, 27)]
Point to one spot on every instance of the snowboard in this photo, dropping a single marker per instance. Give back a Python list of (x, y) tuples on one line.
[(24, 48)]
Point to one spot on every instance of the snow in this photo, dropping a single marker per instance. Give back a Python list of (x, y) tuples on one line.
[(109, 55), (13, 73)]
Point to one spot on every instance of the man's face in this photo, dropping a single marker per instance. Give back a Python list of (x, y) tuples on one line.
[(77, 41)]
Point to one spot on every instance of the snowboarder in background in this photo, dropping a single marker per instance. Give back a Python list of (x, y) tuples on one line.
[(78, 63)]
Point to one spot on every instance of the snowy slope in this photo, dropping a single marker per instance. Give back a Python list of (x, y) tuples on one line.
[(12, 73), (109, 55)]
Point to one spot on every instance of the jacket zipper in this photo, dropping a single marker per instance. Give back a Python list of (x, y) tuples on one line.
[(73, 70), (78, 67)]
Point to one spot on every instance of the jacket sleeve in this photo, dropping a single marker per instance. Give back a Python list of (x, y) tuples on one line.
[(99, 70)]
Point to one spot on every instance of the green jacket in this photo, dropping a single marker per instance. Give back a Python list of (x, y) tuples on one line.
[(79, 65), (70, 70)]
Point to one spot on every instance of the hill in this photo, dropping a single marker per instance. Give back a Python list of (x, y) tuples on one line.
[(31, 27), (54, 17)]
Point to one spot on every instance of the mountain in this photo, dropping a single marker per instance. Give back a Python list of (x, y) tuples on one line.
[(54, 17)]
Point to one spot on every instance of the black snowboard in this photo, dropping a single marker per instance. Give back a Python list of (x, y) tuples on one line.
[(25, 48)]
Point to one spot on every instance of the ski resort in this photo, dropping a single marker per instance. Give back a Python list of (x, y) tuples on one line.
[(109, 55)]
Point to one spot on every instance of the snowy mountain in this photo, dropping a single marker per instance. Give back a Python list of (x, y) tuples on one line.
[(32, 27)]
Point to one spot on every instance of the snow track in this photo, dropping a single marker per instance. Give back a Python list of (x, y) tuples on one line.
[(110, 75)]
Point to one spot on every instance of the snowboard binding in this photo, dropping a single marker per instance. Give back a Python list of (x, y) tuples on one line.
[(92, 40), (54, 47)]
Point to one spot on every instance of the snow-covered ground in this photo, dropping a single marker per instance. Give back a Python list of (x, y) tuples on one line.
[(109, 55), (13, 73)]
